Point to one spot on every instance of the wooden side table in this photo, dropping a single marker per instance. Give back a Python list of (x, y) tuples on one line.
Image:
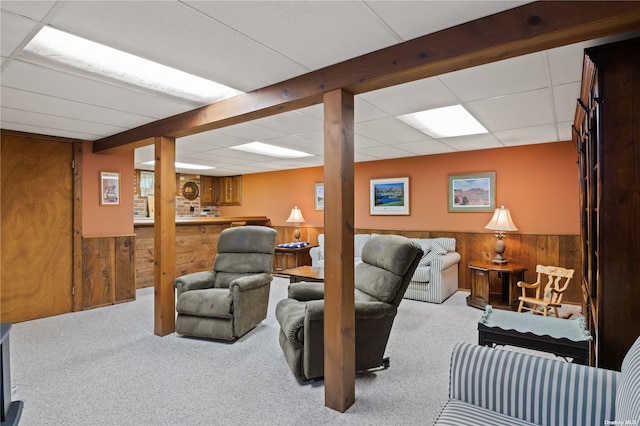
[(288, 258), (481, 296)]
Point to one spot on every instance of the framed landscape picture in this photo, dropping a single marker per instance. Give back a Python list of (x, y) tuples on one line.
[(472, 193), (389, 196)]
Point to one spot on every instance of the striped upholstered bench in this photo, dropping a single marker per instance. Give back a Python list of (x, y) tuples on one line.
[(491, 386)]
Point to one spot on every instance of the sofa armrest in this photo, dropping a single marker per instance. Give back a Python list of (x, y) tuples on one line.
[(445, 261), (316, 254), (195, 281), (531, 388), (306, 291)]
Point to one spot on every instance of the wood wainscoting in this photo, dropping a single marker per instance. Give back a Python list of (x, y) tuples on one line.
[(527, 249), (108, 272)]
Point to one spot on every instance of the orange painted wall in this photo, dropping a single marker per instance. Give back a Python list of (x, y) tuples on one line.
[(106, 220), (538, 183)]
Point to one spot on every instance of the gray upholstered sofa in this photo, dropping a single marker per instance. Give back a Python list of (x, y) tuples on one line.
[(435, 278), (491, 386)]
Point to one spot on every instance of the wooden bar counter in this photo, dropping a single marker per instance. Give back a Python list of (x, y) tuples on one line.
[(196, 243)]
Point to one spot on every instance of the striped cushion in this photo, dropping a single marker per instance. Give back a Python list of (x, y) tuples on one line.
[(449, 244), (457, 413), (628, 399), (539, 390)]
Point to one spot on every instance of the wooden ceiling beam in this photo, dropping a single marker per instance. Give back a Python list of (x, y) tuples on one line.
[(522, 30)]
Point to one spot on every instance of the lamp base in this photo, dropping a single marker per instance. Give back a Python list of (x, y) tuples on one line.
[(499, 249), (499, 259)]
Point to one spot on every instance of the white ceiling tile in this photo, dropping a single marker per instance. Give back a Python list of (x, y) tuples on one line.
[(411, 19), (178, 35), (509, 112), (43, 130), (312, 33), (386, 151), (388, 130), (35, 102), (416, 96), (292, 122), (519, 74), (214, 138), (251, 132), (56, 122), (49, 82), (472, 142), (565, 131), (299, 144), (528, 135), (36, 10), (425, 147), (565, 97), (363, 142), (13, 31)]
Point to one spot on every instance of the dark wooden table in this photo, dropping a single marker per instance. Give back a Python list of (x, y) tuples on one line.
[(289, 258), (481, 295), (304, 273)]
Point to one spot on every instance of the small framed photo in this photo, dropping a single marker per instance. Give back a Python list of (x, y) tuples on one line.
[(389, 196), (318, 196), (109, 188), (472, 192)]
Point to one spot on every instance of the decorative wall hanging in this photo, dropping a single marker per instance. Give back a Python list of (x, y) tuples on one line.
[(389, 196)]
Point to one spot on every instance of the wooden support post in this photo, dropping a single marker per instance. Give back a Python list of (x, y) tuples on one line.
[(165, 236), (339, 316)]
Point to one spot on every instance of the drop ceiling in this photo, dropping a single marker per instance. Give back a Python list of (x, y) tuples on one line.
[(252, 44)]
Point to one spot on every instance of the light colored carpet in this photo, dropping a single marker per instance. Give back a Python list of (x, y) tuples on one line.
[(105, 367)]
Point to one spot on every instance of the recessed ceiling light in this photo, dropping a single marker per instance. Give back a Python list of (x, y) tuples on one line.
[(94, 59), (444, 122), (183, 166), (270, 150)]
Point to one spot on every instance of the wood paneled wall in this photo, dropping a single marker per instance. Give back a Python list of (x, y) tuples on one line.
[(195, 250), (530, 250), (108, 274)]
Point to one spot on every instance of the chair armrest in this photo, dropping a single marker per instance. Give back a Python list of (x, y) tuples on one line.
[(527, 285), (445, 261), (537, 390), (194, 281), (250, 282), (374, 310), (306, 291)]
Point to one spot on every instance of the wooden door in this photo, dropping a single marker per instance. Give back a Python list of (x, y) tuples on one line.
[(36, 279)]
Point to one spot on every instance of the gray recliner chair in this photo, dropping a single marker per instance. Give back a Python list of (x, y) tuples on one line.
[(388, 263), (230, 300)]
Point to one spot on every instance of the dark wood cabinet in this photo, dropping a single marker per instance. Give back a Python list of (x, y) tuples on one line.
[(607, 135), (221, 191)]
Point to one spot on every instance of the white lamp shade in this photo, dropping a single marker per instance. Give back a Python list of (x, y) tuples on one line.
[(501, 221), (296, 216)]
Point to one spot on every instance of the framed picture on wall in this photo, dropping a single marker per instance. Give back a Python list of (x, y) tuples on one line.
[(472, 193), (318, 196), (109, 188), (389, 196)]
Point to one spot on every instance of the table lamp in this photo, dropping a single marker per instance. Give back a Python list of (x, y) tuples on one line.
[(500, 222), (296, 218)]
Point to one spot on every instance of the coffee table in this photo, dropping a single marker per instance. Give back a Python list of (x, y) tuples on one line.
[(304, 273)]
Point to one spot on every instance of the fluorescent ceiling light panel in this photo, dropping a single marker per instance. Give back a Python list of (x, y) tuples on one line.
[(270, 150), (69, 51), (183, 166), (444, 122)]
